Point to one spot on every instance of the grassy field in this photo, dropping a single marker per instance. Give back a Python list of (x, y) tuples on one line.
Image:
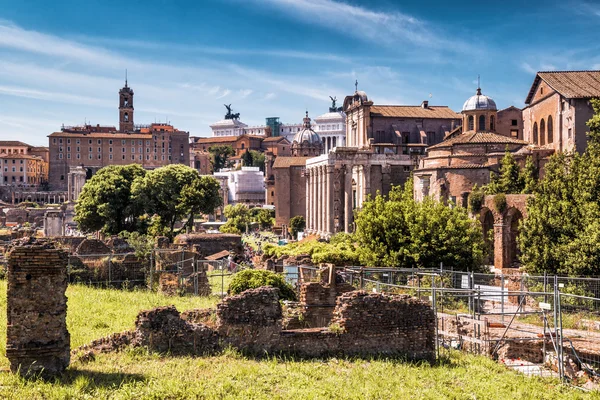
[(137, 374)]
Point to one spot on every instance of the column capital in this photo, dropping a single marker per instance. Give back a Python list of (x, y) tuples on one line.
[(330, 168)]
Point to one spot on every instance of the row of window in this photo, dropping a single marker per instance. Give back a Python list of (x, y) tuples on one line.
[(110, 141), (110, 157), (110, 149), (545, 128), (481, 126)]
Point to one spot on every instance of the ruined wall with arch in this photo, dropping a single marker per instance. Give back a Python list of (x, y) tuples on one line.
[(501, 228)]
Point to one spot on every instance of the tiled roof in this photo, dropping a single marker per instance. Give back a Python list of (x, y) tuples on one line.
[(218, 256), (102, 135), (275, 139), (570, 84), (18, 156), (414, 112), (285, 162), (478, 138), (13, 143), (225, 139)]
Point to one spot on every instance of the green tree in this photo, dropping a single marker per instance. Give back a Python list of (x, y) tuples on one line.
[(530, 176), (509, 180), (258, 159), (238, 218), (176, 192), (247, 158), (264, 217), (561, 234), (399, 232), (297, 224), (220, 156), (105, 203), (254, 278)]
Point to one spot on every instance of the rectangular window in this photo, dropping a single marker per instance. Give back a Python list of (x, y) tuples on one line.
[(514, 122), (110, 141), (163, 158), (514, 133), (122, 149), (133, 157), (90, 150), (69, 156), (110, 149), (123, 156), (110, 156), (140, 142), (99, 141), (147, 143), (60, 156), (570, 133), (68, 149), (133, 142), (60, 149), (78, 141), (99, 149), (90, 156), (99, 157), (60, 140), (141, 157), (141, 150), (132, 150), (68, 141), (53, 140), (78, 149), (78, 156), (123, 142), (90, 141), (14, 169)]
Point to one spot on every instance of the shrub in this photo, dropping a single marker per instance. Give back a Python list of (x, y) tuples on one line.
[(500, 202), (476, 198), (254, 278)]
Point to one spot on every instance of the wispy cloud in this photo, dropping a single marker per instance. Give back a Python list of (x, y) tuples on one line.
[(528, 68), (390, 27)]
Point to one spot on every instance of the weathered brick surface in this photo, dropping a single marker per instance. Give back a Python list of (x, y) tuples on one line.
[(92, 246), (207, 244), (37, 337)]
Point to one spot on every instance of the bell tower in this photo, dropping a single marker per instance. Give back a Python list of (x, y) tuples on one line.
[(126, 108)]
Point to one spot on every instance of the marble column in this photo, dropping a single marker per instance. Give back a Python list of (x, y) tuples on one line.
[(307, 213), (321, 199), (367, 182), (347, 198), (312, 200), (330, 195)]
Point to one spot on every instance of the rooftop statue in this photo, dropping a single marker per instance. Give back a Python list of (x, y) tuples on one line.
[(229, 114)]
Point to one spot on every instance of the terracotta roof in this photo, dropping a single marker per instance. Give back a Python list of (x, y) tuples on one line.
[(225, 139), (570, 84), (285, 162), (275, 139), (12, 143), (443, 112), (218, 256), (477, 138), (17, 156)]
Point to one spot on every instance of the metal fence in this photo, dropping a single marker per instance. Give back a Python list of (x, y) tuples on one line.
[(109, 270), (542, 325)]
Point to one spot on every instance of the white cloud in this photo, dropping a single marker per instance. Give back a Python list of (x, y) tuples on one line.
[(390, 27), (528, 68), (245, 93), (225, 93), (269, 96)]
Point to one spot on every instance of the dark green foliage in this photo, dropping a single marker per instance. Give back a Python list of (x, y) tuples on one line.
[(106, 204), (530, 176), (220, 156), (264, 217), (400, 232), (476, 199), (297, 224), (509, 180), (561, 234), (500, 202), (176, 192), (254, 278)]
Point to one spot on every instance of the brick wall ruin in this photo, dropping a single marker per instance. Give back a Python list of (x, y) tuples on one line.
[(363, 324), (207, 244), (37, 337)]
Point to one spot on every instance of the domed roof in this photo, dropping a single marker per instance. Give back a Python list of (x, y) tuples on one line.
[(479, 102), (307, 134)]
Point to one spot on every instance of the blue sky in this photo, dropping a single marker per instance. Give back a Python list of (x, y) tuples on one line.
[(64, 61)]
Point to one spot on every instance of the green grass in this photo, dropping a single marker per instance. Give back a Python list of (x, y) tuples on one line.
[(137, 374)]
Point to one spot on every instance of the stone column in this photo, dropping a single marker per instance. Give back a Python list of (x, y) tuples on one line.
[(307, 213), (313, 201), (347, 198), (330, 195), (501, 249), (367, 182), (37, 339), (320, 203)]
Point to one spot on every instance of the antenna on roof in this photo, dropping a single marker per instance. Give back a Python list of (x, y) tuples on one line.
[(478, 85), (356, 85), (125, 77)]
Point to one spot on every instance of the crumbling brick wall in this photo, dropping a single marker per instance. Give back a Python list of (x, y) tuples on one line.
[(92, 246), (251, 321), (37, 337), (206, 244)]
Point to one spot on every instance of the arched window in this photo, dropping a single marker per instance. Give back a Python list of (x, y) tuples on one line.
[(126, 117), (542, 132), (535, 133), (481, 126), (471, 123), (550, 133), (492, 123), (243, 146)]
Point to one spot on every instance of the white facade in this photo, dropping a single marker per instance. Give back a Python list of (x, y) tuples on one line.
[(331, 128), (228, 127), (246, 186)]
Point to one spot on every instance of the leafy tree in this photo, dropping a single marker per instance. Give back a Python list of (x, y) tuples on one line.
[(258, 159), (530, 176), (561, 234), (220, 156), (264, 217), (247, 158), (297, 224), (238, 218), (142, 244), (254, 278), (399, 232), (175, 192), (509, 179), (105, 203)]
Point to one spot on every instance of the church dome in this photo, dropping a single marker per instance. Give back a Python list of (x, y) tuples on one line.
[(307, 134), (479, 102)]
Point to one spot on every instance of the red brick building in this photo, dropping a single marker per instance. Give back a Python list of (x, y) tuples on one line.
[(94, 147)]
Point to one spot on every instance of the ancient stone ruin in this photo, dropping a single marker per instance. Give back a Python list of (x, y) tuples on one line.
[(364, 324), (38, 341)]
